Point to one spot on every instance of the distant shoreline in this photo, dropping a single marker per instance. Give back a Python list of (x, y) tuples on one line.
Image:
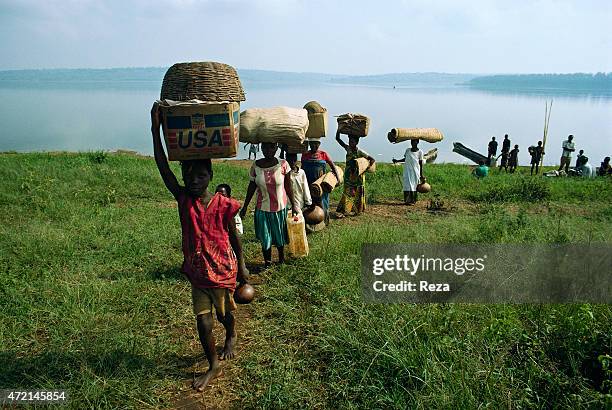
[(577, 82)]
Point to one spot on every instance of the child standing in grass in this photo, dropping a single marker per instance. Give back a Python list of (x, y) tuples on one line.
[(212, 251)]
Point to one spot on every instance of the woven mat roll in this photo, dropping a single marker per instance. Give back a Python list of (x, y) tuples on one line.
[(207, 81), (283, 125), (403, 134), (353, 124), (316, 190), (329, 180)]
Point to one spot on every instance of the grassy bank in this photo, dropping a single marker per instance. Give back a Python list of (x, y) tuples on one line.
[(92, 298)]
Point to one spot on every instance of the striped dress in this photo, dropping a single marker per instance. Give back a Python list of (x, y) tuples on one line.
[(271, 207)]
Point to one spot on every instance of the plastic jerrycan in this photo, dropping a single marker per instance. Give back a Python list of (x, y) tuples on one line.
[(298, 244)]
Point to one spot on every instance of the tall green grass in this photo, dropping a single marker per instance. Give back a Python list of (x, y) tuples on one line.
[(92, 300)]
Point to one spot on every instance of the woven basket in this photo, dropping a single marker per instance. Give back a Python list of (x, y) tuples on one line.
[(353, 124), (207, 81), (403, 134)]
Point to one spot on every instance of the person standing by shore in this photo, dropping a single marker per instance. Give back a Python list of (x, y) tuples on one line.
[(506, 144), (492, 150), (353, 198), (566, 156), (513, 159), (413, 171), (536, 157)]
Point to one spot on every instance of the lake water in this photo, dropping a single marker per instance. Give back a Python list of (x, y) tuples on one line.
[(89, 116)]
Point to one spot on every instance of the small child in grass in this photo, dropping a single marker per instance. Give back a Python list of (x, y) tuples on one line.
[(226, 191), (212, 250)]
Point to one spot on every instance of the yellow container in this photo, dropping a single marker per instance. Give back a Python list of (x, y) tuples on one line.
[(298, 244)]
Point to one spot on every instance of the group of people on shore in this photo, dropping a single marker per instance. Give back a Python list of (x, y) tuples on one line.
[(509, 159)]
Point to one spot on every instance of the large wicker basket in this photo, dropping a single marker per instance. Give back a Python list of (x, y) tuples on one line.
[(207, 81)]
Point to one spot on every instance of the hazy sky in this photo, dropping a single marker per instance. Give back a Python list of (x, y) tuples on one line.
[(350, 37)]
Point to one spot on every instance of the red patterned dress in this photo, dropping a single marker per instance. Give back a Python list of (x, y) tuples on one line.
[(209, 260)]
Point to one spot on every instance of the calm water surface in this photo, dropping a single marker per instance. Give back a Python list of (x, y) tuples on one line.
[(82, 117)]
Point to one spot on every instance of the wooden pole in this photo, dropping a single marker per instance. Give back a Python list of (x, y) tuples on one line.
[(546, 122)]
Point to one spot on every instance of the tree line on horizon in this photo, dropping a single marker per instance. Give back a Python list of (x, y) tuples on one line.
[(576, 81), (599, 81)]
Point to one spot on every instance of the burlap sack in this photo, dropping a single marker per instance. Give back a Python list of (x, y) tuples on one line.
[(283, 125)]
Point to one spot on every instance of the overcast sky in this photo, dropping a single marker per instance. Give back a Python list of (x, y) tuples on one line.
[(343, 37)]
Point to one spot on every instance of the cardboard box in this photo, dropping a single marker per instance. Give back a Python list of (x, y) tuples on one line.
[(317, 125), (197, 129)]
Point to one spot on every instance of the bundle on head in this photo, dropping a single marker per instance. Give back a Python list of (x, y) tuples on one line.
[(317, 118), (283, 125), (206, 81), (403, 134), (353, 124)]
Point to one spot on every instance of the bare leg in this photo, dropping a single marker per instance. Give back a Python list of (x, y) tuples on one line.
[(228, 323), (205, 326)]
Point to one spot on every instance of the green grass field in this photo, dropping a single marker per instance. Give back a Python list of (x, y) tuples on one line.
[(92, 299)]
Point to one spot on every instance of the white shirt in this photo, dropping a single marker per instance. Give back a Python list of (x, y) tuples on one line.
[(301, 191), (567, 144)]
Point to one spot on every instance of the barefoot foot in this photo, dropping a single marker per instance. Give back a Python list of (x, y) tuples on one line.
[(228, 349), (201, 382)]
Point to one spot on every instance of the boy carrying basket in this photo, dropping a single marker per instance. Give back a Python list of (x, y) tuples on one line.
[(212, 250)]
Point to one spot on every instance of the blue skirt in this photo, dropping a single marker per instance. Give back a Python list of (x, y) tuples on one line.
[(271, 228)]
